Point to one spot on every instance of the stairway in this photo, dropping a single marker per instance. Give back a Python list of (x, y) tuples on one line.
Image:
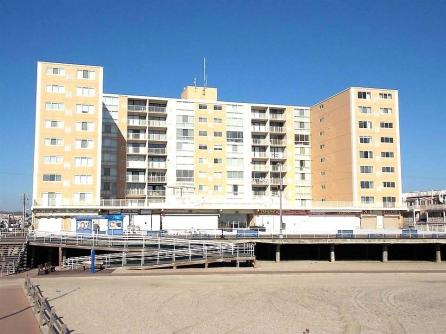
[(13, 253)]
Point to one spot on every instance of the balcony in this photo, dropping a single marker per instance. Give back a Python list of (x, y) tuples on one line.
[(259, 155), (259, 129), (157, 124), (260, 168), (156, 179), (277, 117), (136, 108), (136, 122), (258, 141), (157, 109), (136, 136), (277, 181), (277, 142), (277, 156), (135, 192), (157, 151), (157, 165), (260, 182), (277, 129), (156, 193), (278, 168), (262, 116), (136, 164), (136, 150), (136, 178), (157, 137)]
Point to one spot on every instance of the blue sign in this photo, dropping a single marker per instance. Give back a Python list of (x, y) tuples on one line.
[(115, 224), (84, 224)]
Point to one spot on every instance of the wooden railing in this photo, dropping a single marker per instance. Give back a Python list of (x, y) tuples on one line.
[(45, 314)]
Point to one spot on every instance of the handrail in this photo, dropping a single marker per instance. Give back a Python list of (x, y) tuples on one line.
[(47, 314)]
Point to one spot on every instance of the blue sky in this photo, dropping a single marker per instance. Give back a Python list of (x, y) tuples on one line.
[(289, 52)]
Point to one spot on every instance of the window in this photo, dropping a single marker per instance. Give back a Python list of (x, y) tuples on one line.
[(202, 133), (202, 174), (387, 140), (185, 133), (365, 139), (184, 175), (85, 91), (52, 177), (385, 96), (54, 124), (82, 197), (218, 134), (387, 154), (321, 146), (234, 136), (202, 187), (364, 95), (84, 108), (217, 107), (202, 119), (365, 124), (386, 125), (84, 143), (54, 106), (301, 139), (366, 154), (322, 159), (218, 160), (83, 179), (367, 199), (202, 147), (218, 120), (52, 159), (235, 162), (385, 110), (389, 201), (366, 184), (202, 160), (218, 148), (202, 106), (235, 175), (55, 71), (53, 142), (217, 175), (84, 126), (365, 110), (321, 119), (185, 119), (83, 162), (388, 169), (366, 169), (55, 89), (86, 74), (235, 188), (389, 184), (217, 188)]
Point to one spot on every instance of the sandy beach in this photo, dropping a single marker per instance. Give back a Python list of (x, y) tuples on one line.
[(264, 302)]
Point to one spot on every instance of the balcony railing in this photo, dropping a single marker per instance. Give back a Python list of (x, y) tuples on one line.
[(157, 109), (137, 122), (259, 129), (259, 154), (156, 193), (157, 151), (276, 180), (260, 181), (277, 142), (255, 115), (157, 124), (135, 192), (156, 179), (136, 150), (133, 178), (280, 117), (278, 168), (156, 136), (277, 129), (257, 141), (157, 165), (136, 164), (138, 108), (136, 136), (260, 168), (274, 155)]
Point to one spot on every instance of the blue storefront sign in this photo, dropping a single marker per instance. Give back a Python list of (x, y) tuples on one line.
[(115, 224), (84, 224)]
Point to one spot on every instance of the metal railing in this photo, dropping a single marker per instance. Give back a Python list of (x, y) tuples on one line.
[(155, 123), (156, 136), (136, 122), (139, 108), (157, 109), (157, 151), (45, 313)]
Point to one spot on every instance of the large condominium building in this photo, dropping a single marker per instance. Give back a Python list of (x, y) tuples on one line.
[(98, 153)]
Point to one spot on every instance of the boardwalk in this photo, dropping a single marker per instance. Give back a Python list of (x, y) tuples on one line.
[(16, 315)]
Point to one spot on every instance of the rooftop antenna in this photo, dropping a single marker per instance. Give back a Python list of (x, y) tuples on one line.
[(205, 79)]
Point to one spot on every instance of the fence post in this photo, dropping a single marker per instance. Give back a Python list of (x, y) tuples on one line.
[(42, 310), (52, 319)]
